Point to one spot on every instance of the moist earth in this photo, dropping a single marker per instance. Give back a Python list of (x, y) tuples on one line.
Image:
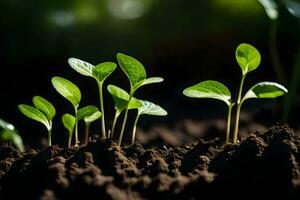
[(262, 165)]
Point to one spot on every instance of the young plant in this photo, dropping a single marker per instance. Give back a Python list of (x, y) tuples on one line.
[(69, 122), (88, 114), (213, 90), (248, 59), (121, 98), (147, 108), (99, 72), (136, 74), (43, 112), (9, 133), (72, 93)]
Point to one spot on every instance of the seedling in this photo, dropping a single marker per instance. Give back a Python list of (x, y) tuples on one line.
[(88, 114), (72, 93), (43, 112), (147, 108), (99, 72), (69, 122), (121, 98), (136, 74), (9, 133), (248, 59), (214, 90)]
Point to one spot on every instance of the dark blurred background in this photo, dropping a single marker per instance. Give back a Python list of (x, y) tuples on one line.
[(183, 41)]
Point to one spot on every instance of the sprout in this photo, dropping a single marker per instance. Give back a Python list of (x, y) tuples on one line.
[(72, 93), (213, 90), (99, 72), (69, 122), (43, 112), (88, 120), (248, 59), (137, 77), (147, 108), (9, 133), (88, 114), (121, 98)]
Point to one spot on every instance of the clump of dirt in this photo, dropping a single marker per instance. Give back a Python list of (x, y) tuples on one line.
[(261, 165)]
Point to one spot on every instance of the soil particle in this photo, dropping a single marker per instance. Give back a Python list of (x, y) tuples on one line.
[(261, 165)]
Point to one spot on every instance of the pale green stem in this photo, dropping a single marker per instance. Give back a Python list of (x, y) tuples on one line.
[(86, 136), (228, 122), (70, 139), (125, 119), (238, 110), (134, 128), (49, 136), (76, 127), (100, 84), (114, 123)]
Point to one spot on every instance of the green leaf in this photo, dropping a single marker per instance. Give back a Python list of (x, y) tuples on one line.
[(133, 69), (68, 121), (45, 106), (248, 57), (265, 90), (293, 7), (7, 126), (8, 135), (209, 89), (149, 108), (67, 89), (34, 114), (271, 8), (86, 112), (134, 103), (121, 98), (103, 70), (89, 119), (149, 81), (82, 67)]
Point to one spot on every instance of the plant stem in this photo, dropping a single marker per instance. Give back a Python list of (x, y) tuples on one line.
[(49, 137), (76, 127), (125, 119), (102, 109), (70, 139), (228, 123), (238, 110), (86, 136), (114, 123), (134, 129)]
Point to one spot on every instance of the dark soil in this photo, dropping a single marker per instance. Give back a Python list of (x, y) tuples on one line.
[(261, 165)]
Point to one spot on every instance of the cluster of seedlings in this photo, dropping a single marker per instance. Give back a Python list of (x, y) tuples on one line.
[(43, 111), (247, 56)]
